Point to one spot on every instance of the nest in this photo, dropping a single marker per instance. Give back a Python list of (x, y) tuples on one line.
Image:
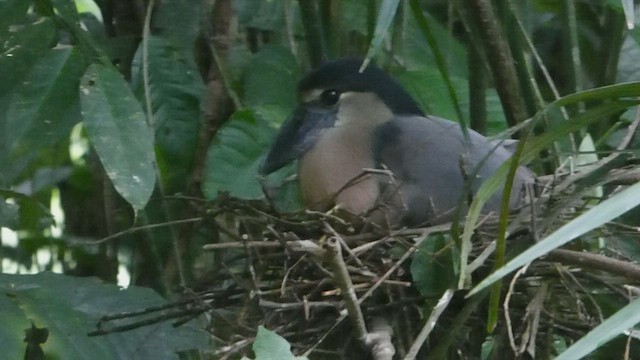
[(343, 289), (281, 271)]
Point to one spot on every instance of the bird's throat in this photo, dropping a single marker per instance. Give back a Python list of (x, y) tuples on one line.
[(332, 172)]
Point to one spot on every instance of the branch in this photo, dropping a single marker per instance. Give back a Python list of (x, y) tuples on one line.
[(596, 262), (341, 276), (500, 59)]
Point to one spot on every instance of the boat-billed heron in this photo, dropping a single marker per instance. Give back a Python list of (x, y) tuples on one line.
[(350, 121)]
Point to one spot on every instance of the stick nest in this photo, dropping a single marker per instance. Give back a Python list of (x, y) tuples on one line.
[(277, 270)]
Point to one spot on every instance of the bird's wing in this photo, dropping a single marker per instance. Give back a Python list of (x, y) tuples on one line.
[(432, 162)]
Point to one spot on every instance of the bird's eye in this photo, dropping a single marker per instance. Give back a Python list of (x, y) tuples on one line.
[(329, 97)]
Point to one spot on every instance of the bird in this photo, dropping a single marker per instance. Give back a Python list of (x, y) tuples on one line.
[(363, 144)]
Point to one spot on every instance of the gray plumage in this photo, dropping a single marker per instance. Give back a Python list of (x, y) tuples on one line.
[(349, 121), (431, 160)]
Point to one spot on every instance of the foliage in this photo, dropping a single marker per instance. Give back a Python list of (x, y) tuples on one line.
[(114, 122), (132, 132), (45, 300), (269, 345)]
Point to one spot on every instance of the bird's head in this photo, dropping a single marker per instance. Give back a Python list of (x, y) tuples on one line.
[(337, 94)]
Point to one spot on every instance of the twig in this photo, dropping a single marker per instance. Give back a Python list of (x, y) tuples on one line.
[(338, 237), (298, 305), (154, 320), (138, 228), (343, 280), (241, 245), (363, 176), (507, 313), (407, 254), (596, 262)]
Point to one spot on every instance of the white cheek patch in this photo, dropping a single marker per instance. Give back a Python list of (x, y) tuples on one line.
[(341, 119), (361, 109), (311, 95)]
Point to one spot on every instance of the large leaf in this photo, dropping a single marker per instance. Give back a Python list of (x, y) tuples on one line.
[(180, 21), (427, 86), (69, 309), (270, 82), (234, 158), (116, 127), (262, 15), (416, 55), (16, 61), (13, 12), (236, 152), (176, 90), (44, 107)]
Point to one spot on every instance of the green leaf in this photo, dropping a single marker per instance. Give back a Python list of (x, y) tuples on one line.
[(44, 107), (262, 15), (270, 81), (20, 70), (88, 38), (67, 10), (179, 22), (271, 346), (624, 319), (116, 127), (13, 12), (426, 86), (234, 158), (235, 154), (425, 28), (432, 267), (16, 59), (386, 14), (617, 91), (353, 18), (418, 56), (176, 90), (70, 308)]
